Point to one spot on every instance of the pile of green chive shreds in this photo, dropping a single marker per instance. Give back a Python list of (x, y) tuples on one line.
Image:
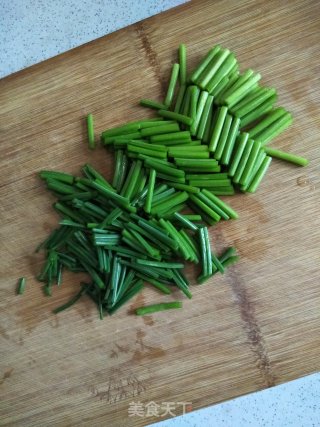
[(208, 140)]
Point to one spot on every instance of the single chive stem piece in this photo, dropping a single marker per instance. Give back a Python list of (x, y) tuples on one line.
[(72, 301), (185, 222), (159, 264), (159, 130), (151, 183), (195, 92), (176, 136), (176, 116), (21, 285), (150, 103), (141, 311), (90, 126), (259, 175), (172, 85), (205, 117), (288, 157), (241, 143), (179, 101), (185, 107), (217, 129), (198, 112), (231, 139), (183, 64), (223, 137)]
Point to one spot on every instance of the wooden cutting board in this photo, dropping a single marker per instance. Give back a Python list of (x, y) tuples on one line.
[(254, 327)]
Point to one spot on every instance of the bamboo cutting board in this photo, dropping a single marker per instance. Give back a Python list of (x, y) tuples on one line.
[(254, 327)]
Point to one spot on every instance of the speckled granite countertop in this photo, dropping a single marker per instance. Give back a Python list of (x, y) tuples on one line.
[(34, 30)]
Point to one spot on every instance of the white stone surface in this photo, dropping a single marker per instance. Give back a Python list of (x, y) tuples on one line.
[(294, 404), (34, 30)]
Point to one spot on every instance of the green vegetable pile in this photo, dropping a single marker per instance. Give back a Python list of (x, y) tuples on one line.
[(208, 140)]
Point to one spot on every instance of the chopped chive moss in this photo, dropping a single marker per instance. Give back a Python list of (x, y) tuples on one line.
[(172, 85), (132, 229), (149, 103), (21, 286), (141, 311), (90, 131)]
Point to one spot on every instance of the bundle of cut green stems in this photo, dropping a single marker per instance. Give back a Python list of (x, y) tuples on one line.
[(208, 140)]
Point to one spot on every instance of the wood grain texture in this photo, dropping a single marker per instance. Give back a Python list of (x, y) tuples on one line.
[(256, 326)]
